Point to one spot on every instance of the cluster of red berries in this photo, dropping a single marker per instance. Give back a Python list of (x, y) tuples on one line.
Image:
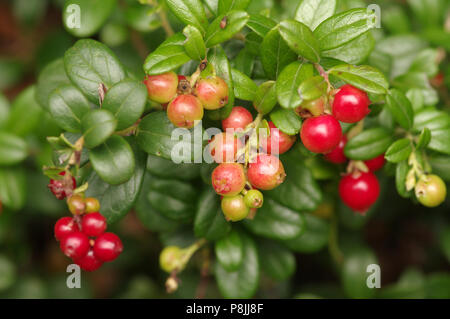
[(185, 102), (239, 184), (359, 189), (83, 237)]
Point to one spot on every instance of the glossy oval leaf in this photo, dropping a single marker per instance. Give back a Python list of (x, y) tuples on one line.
[(243, 282), (363, 77), (167, 169), (313, 12), (400, 107), (225, 6), (275, 54), (113, 161), (266, 97), (13, 187), (260, 24), (288, 82), (225, 26), (168, 56), (97, 126), (287, 121), (51, 77), (25, 114), (209, 220), (229, 251), (368, 144), (300, 39), (189, 12), (244, 87), (90, 63), (68, 106), (424, 138), (194, 44), (312, 88), (440, 141), (126, 101), (401, 172), (399, 151), (279, 262)]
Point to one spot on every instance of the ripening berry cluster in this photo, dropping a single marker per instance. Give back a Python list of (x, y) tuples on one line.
[(322, 133), (185, 102), (82, 237), (239, 185)]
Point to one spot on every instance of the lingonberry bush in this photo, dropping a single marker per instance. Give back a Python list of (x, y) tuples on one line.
[(256, 132)]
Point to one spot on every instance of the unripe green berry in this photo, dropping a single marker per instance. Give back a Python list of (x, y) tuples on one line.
[(430, 190), (92, 205), (170, 258), (234, 208), (254, 198), (76, 204)]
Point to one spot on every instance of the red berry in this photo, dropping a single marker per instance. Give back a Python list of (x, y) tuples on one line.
[(62, 187), (337, 155), (93, 224), (359, 191), (212, 92), (181, 78), (75, 245), (266, 172), (278, 138), (239, 118), (321, 134), (223, 147), (350, 104), (65, 226), (184, 110), (162, 88), (107, 247), (376, 163), (228, 179), (89, 262)]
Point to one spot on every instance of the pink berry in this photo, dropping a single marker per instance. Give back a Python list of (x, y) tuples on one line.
[(212, 92), (228, 179), (224, 147), (184, 110), (350, 104), (277, 138), (266, 172), (321, 134), (162, 88), (239, 118)]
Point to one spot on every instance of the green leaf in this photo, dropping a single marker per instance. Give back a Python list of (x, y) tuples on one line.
[(313, 239), (174, 199), (266, 97), (229, 251), (167, 169), (244, 62), (399, 151), (218, 59), (400, 108), (313, 12), (440, 141), (225, 6), (287, 121), (424, 138), (432, 119), (426, 62), (13, 187), (441, 166), (150, 217), (344, 27), (416, 98), (194, 44), (126, 101), (168, 56), (244, 87), (68, 106), (216, 33), (312, 88), (209, 221), (260, 24), (276, 221), (117, 200), (279, 262), (242, 283), (97, 126), (155, 137), (363, 77), (275, 54), (401, 171), (300, 39), (90, 63), (113, 161), (189, 12), (288, 82), (92, 15), (25, 114), (368, 144), (13, 149), (354, 273), (299, 192), (51, 77)]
